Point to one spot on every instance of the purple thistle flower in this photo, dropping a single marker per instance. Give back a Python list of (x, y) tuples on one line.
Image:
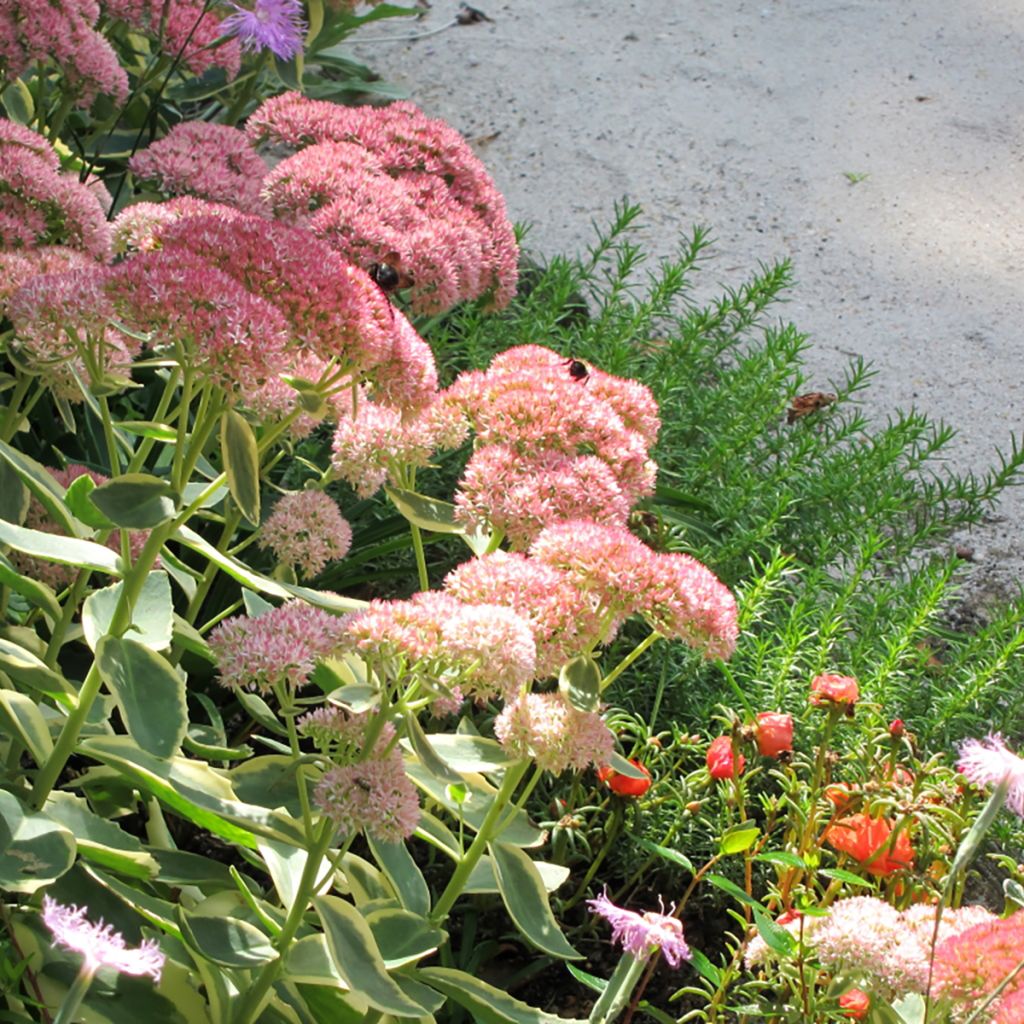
[(989, 762), (99, 943), (641, 934), (274, 25)]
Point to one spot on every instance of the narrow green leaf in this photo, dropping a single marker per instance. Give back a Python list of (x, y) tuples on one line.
[(734, 890), (971, 843), (232, 566), (592, 982), (1013, 891), (358, 960), (22, 718), (152, 617), (34, 849), (841, 875), (663, 851), (485, 1003), (426, 513), (52, 547), (526, 900), (32, 590), (150, 428), (627, 768), (259, 710), (19, 102), (784, 857), (149, 693), (403, 873), (195, 791), (45, 489), (14, 495), (580, 683), (705, 968), (775, 936), (24, 667), (241, 463), (428, 757), (227, 941)]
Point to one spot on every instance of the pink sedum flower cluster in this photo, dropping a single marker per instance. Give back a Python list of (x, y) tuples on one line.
[(306, 530), (391, 185), (678, 595), (278, 648), (563, 619), (186, 29), (61, 31), (550, 446), (209, 161), (548, 728), (373, 796), (483, 649), (40, 206), (99, 944)]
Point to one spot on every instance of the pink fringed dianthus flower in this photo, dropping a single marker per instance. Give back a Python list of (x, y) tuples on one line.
[(307, 530), (557, 735), (987, 763), (373, 796), (99, 944), (275, 25), (210, 161), (640, 935), (563, 619), (281, 646)]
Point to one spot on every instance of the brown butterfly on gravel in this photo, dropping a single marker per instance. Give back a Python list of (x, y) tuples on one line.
[(804, 405)]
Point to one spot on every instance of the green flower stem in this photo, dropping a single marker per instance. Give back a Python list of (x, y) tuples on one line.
[(736, 688), (421, 560), (73, 1000), (71, 605), (521, 801), (612, 833), (108, 436), (12, 411), (133, 581), (289, 710), (146, 444), (184, 403), (629, 659), (618, 990), (513, 775), (255, 997), (231, 520)]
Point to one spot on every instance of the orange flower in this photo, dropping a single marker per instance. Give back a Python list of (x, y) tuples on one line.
[(867, 840), (774, 732), (623, 785), (720, 759), (840, 795), (829, 689), (855, 1003)]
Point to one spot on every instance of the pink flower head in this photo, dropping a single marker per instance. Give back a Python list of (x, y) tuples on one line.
[(195, 33), (19, 266), (410, 630), (279, 647), (139, 227), (374, 796), (988, 762), (833, 690), (503, 489), (493, 648), (970, 965), (211, 161), (407, 378), (236, 339), (98, 943), (306, 530), (685, 600), (557, 735), (641, 935), (564, 620), (417, 191), (274, 25), (333, 310)]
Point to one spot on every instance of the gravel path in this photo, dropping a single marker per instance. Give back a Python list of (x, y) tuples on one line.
[(877, 145)]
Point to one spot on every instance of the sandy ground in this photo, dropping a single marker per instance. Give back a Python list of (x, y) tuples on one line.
[(749, 117)]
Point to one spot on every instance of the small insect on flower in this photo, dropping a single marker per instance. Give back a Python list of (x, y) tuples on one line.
[(578, 370), (389, 275)]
